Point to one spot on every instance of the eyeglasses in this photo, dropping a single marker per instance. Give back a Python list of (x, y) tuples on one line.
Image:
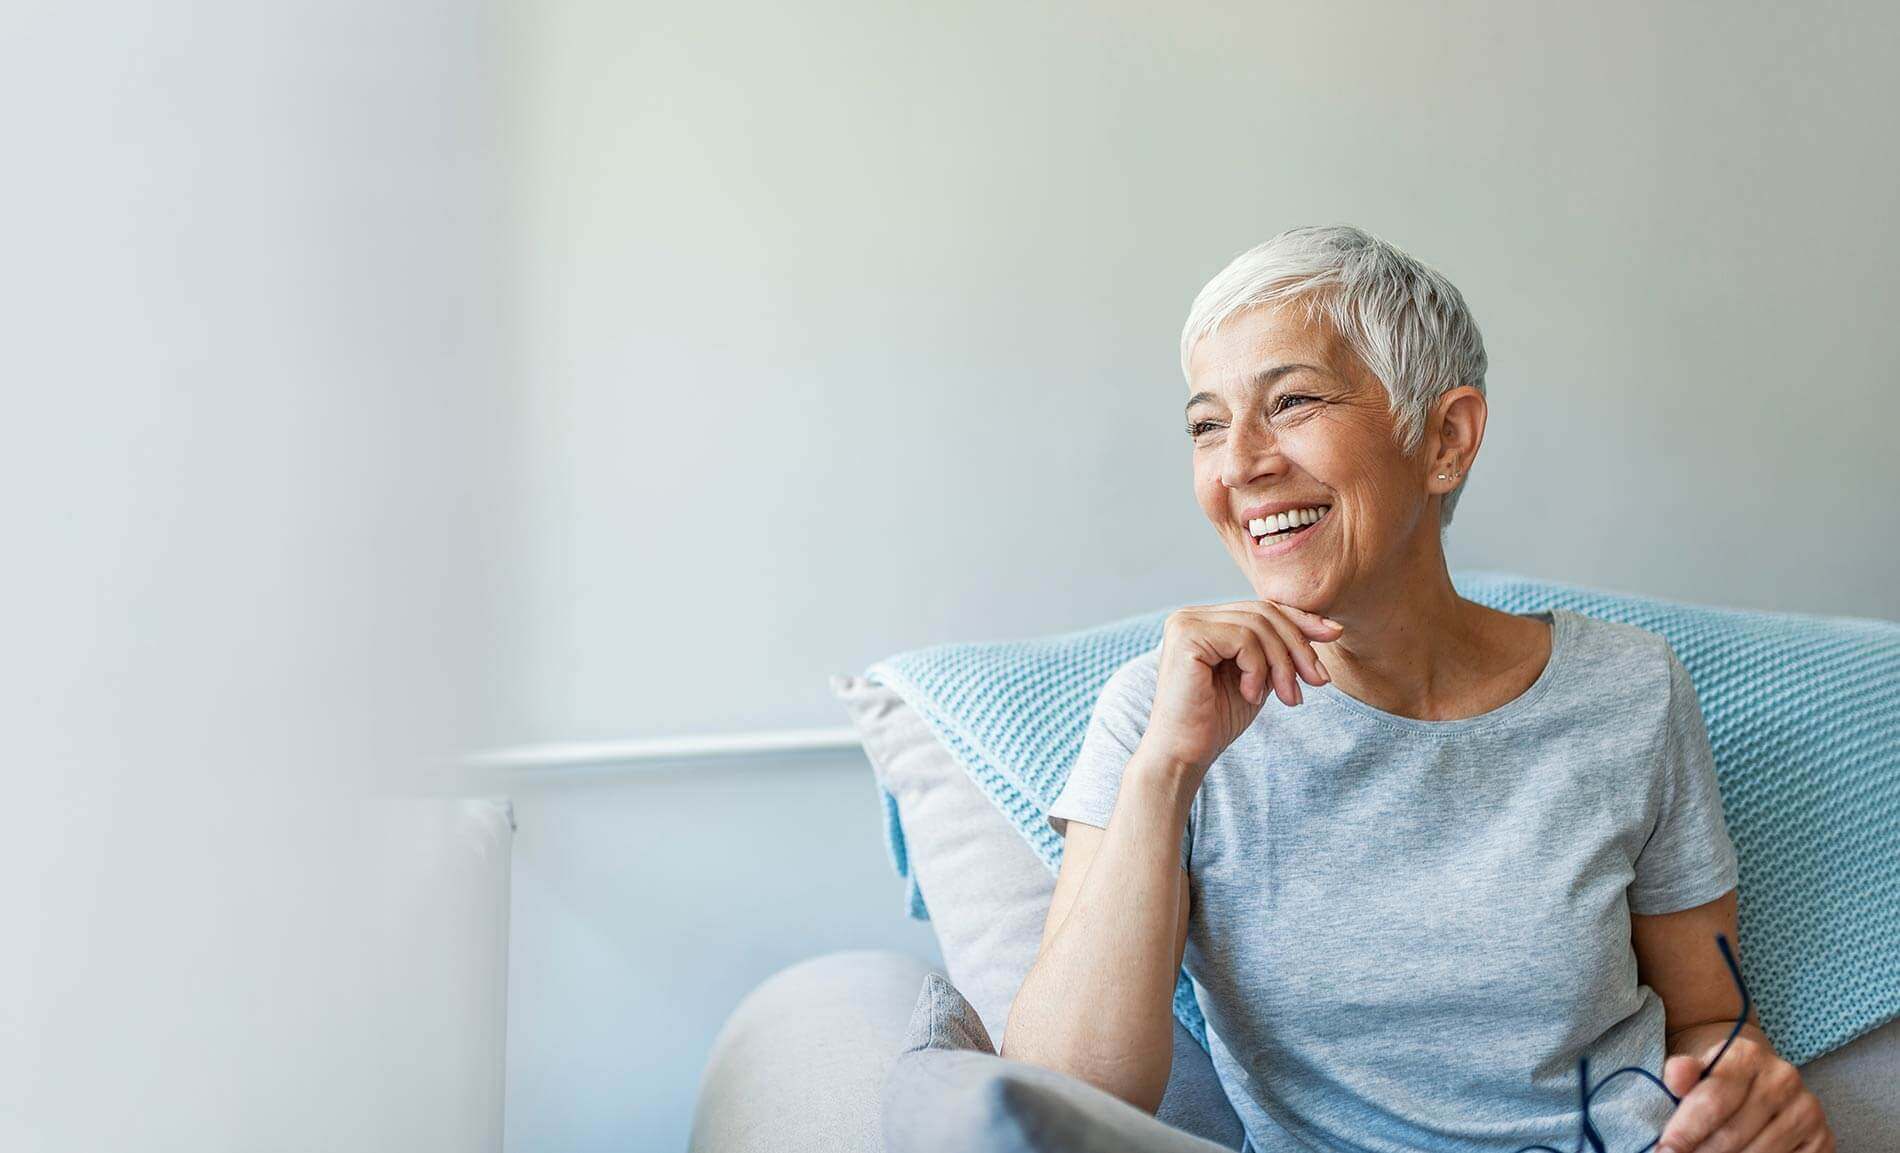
[(1588, 1132)]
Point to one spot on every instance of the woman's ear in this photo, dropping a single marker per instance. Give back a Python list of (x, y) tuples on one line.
[(1457, 429)]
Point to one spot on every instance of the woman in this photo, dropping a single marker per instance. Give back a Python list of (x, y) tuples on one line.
[(1479, 846)]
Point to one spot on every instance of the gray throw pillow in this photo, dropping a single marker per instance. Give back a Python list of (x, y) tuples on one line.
[(989, 893), (948, 1092)]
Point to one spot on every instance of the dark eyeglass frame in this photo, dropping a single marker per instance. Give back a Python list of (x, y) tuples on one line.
[(1588, 1132)]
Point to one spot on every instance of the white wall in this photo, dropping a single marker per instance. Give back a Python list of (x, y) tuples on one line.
[(850, 327), (255, 483), (646, 905)]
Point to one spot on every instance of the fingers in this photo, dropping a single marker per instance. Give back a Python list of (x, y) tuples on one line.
[(1254, 662), (1314, 625), (1679, 1073), (1279, 665), (1297, 629), (1311, 625), (1223, 637), (1290, 630), (1790, 1115), (1711, 1103), (1271, 643), (1748, 1121), (1800, 1126), (1286, 678), (1283, 667)]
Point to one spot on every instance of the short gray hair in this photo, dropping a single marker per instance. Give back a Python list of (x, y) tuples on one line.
[(1403, 319)]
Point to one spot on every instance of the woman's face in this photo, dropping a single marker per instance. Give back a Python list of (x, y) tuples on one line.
[(1281, 410)]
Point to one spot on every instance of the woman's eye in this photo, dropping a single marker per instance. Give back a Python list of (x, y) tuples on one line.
[(1195, 428)]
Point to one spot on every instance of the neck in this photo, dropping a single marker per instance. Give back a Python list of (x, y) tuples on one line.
[(1410, 640)]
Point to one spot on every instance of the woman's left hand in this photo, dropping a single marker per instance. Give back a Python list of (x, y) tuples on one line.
[(1753, 1101)]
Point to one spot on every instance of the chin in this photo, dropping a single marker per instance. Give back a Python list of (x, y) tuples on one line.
[(1277, 587), (1290, 588), (1302, 574)]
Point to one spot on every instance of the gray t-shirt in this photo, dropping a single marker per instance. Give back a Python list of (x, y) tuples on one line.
[(1404, 933)]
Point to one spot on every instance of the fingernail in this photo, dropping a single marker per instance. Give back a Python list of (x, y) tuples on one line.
[(1323, 674), (1332, 622)]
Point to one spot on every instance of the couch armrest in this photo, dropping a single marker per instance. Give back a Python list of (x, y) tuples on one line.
[(1855, 1084), (799, 1066)]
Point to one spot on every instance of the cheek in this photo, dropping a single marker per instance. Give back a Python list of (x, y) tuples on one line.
[(1370, 477), (1347, 458), (1327, 454)]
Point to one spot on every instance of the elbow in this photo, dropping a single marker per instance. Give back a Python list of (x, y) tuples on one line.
[(1139, 1087), (1142, 1085), (1018, 1045), (1143, 1093), (1146, 1098)]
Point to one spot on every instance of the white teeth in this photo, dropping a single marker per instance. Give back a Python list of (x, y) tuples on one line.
[(1281, 522)]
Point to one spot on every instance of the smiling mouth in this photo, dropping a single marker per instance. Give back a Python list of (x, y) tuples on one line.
[(1273, 537), (1272, 540)]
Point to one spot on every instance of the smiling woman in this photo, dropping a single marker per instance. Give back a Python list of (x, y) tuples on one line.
[(1403, 322), (1286, 409), (1494, 848)]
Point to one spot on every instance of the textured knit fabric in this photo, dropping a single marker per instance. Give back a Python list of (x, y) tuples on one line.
[(1802, 712), (1406, 933)]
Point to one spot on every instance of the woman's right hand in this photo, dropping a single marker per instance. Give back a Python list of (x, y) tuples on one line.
[(1217, 662)]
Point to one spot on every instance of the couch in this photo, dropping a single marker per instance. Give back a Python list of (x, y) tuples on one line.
[(805, 1060)]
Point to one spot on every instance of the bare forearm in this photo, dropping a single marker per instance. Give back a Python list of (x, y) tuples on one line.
[(1097, 1004)]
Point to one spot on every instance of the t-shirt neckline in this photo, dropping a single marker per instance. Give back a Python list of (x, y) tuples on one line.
[(1560, 624)]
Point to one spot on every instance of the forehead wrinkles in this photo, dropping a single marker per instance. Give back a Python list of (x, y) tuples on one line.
[(1232, 358)]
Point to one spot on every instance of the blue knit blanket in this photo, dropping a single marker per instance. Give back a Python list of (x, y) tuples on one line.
[(1803, 714)]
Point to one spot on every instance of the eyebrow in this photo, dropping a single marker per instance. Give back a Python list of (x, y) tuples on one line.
[(1263, 378)]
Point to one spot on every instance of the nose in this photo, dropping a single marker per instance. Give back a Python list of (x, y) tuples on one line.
[(1252, 452)]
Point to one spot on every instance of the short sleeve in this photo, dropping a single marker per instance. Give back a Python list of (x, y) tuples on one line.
[(1115, 727), (1688, 859)]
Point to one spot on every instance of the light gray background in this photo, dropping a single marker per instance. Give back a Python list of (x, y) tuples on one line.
[(850, 327), (257, 491), (391, 381)]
